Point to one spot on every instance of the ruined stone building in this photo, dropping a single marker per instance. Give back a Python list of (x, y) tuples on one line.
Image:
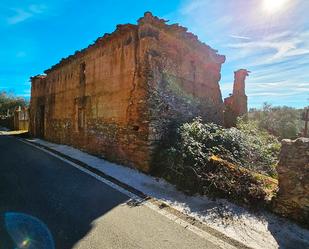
[(117, 97), (236, 104)]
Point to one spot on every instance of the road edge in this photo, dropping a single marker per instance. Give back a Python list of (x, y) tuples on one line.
[(155, 204)]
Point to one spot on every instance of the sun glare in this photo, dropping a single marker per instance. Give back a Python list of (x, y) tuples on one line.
[(272, 6)]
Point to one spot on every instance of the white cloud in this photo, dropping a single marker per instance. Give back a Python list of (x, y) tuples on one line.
[(269, 94), (37, 8), (240, 37), (278, 86), (20, 16), (273, 48), (191, 6), (23, 14), (286, 92)]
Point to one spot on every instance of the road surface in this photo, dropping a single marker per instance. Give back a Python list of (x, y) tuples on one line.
[(79, 210)]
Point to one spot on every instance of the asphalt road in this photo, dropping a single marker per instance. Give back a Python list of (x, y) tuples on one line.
[(79, 210)]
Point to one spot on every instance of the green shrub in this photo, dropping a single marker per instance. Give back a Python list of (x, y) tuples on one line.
[(262, 148), (246, 146), (281, 121), (188, 160)]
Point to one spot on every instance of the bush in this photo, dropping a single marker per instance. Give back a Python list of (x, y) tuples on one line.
[(246, 146), (281, 121), (189, 160), (261, 148)]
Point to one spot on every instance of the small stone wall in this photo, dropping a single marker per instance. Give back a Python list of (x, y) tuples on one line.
[(18, 121), (21, 119), (293, 171)]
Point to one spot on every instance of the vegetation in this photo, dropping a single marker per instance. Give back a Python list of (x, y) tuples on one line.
[(247, 146), (205, 158), (282, 121), (236, 163), (10, 102), (261, 149)]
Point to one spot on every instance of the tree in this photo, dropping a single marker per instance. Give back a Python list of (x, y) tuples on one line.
[(281, 121), (9, 101)]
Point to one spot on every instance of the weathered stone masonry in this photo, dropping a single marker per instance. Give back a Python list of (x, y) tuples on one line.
[(236, 104), (116, 97), (293, 173)]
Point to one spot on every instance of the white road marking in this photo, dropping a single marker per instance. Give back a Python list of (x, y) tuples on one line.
[(213, 239)]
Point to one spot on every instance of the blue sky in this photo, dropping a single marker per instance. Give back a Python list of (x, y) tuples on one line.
[(271, 41)]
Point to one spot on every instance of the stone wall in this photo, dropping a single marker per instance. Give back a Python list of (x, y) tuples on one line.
[(116, 97), (21, 119), (236, 104), (293, 171), (182, 76), (18, 121), (37, 106), (93, 100)]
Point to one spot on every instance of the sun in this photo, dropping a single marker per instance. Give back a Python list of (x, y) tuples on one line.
[(272, 6)]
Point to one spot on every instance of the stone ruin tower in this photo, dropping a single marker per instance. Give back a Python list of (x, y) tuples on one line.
[(117, 97), (236, 104)]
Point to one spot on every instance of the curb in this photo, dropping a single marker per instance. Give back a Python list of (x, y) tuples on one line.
[(161, 205)]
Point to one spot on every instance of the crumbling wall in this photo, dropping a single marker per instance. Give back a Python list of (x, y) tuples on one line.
[(37, 104), (21, 119), (182, 76), (293, 172), (236, 104), (93, 100)]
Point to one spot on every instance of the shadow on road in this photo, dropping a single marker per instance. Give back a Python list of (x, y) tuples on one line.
[(61, 196), (287, 234)]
